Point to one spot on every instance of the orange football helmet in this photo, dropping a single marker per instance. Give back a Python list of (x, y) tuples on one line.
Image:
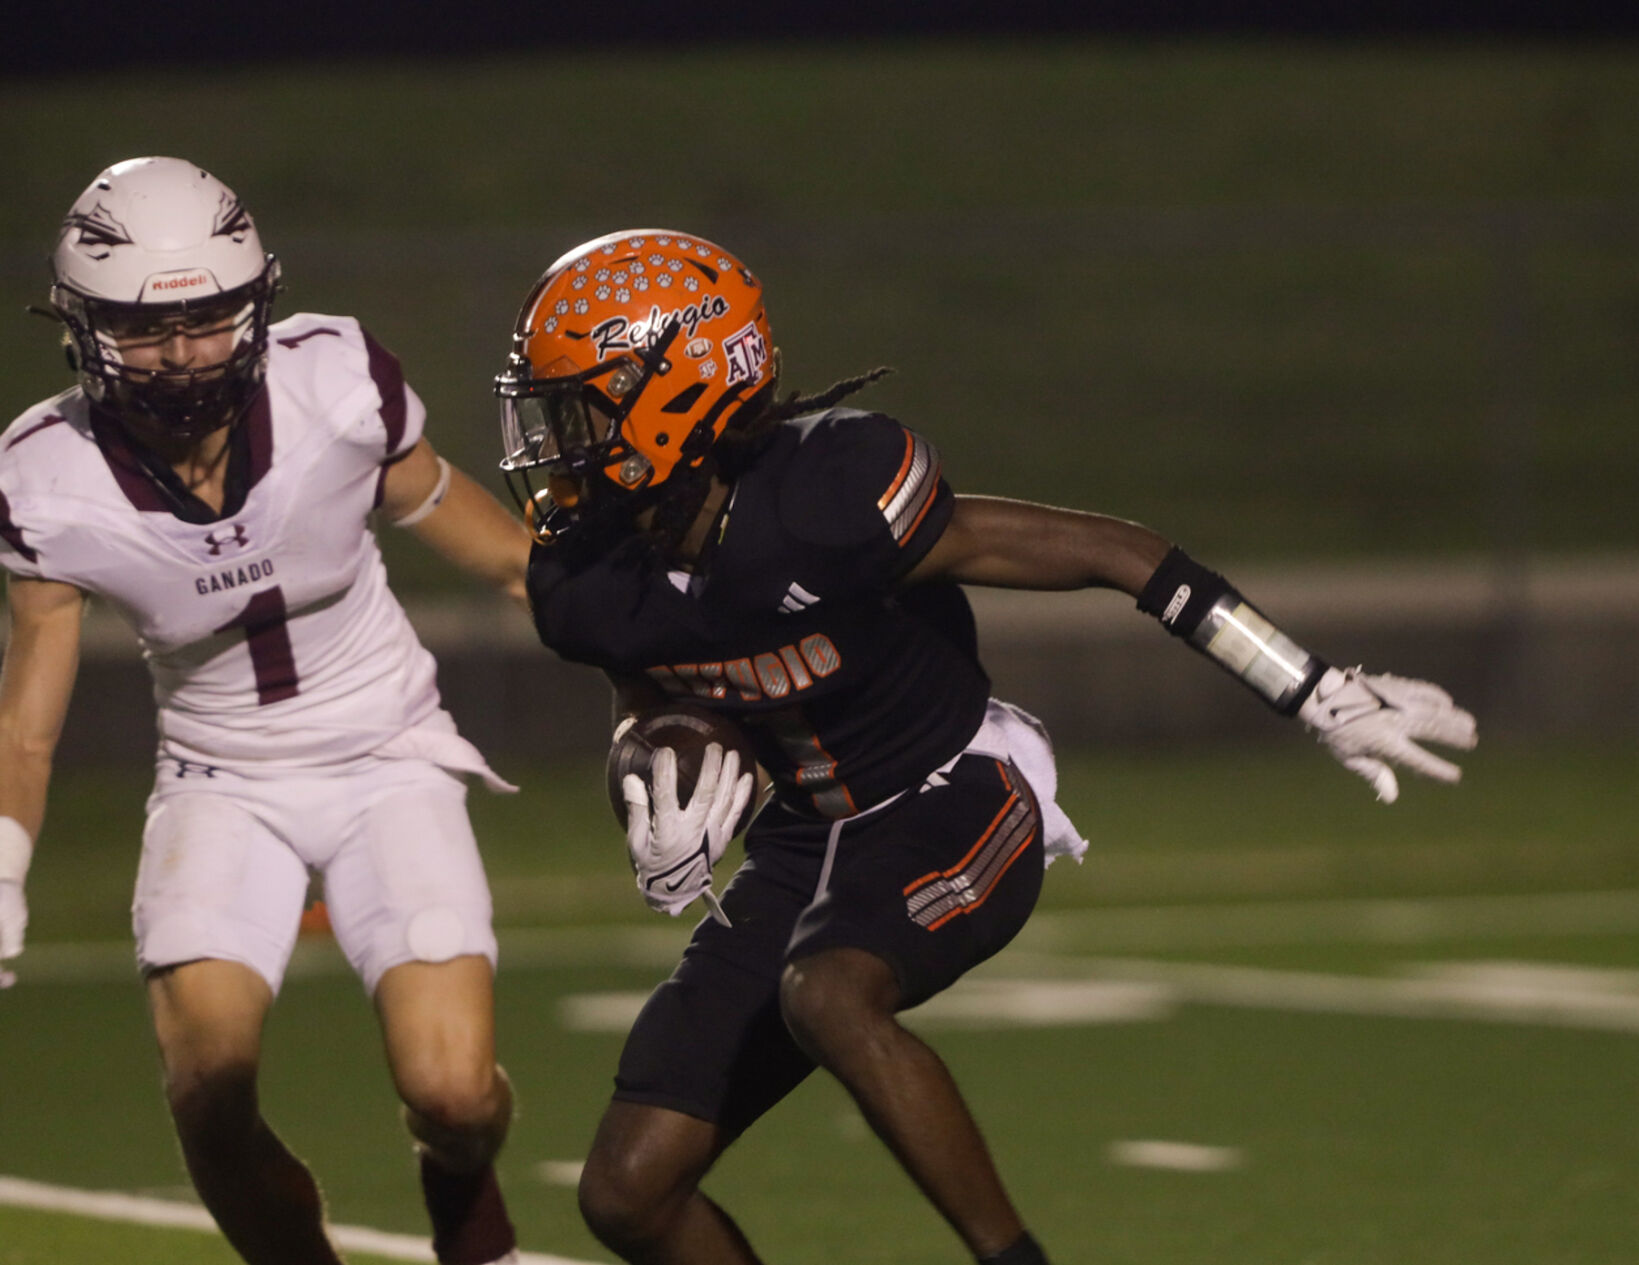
[(630, 358)]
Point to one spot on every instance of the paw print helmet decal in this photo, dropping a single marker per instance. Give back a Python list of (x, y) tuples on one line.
[(631, 357)]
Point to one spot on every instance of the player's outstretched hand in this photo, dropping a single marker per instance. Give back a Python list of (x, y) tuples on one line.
[(674, 847), (13, 922), (1371, 721)]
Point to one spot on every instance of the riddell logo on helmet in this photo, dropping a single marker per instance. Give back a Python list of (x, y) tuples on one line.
[(188, 281), (619, 334)]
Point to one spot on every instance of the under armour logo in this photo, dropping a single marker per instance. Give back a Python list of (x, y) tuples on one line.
[(185, 768), (240, 537)]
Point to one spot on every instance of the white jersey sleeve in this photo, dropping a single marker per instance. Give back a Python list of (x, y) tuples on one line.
[(334, 368), (270, 633), (26, 548)]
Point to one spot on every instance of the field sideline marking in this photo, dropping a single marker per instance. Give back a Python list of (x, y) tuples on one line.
[(984, 1003), (1339, 920), (1110, 929), (1071, 991), (1178, 1157), (1534, 994), (138, 1210)]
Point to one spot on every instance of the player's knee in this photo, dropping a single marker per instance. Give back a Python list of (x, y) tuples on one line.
[(625, 1203), (460, 1113), (212, 1100), (836, 996)]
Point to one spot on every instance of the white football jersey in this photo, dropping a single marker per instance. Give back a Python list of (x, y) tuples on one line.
[(271, 634)]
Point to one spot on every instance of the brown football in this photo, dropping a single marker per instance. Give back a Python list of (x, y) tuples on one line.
[(688, 729)]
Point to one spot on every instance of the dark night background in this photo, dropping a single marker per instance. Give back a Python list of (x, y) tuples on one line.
[(62, 38), (1320, 290)]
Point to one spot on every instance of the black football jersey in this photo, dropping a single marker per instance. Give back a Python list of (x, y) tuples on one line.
[(850, 687)]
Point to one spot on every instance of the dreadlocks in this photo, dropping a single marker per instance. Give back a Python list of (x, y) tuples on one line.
[(746, 433), (796, 403)]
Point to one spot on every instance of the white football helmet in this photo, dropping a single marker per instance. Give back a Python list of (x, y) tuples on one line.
[(152, 243)]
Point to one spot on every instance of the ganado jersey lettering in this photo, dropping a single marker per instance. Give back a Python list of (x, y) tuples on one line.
[(849, 687), (270, 633)]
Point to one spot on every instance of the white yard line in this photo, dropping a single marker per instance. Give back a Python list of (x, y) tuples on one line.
[(1154, 928), (1129, 990), (1069, 968), (1529, 993), (657, 946), (1178, 1157), (560, 1172), (138, 1210), (1104, 930), (971, 1003)]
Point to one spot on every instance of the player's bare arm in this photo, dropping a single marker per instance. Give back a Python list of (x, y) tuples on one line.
[(36, 680), (457, 519), (1369, 722), (1021, 545)]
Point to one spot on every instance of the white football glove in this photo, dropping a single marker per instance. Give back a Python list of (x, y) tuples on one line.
[(1369, 719), (673, 848)]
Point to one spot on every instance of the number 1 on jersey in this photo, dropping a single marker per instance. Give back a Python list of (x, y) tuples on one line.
[(268, 639)]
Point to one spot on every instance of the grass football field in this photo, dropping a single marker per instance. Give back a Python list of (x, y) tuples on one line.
[(1269, 1021)]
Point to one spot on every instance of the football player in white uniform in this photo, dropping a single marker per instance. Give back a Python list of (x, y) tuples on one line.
[(213, 478)]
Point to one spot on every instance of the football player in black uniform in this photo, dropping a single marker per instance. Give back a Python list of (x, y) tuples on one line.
[(796, 566)]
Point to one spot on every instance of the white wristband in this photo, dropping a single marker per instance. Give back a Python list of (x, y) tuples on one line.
[(434, 498), (15, 850)]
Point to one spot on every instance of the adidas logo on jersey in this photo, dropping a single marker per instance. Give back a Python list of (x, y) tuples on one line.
[(796, 599)]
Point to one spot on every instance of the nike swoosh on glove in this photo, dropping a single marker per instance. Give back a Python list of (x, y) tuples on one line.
[(1371, 721), (673, 848)]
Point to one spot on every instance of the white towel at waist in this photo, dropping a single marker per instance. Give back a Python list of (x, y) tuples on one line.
[(1011, 733), (442, 745)]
